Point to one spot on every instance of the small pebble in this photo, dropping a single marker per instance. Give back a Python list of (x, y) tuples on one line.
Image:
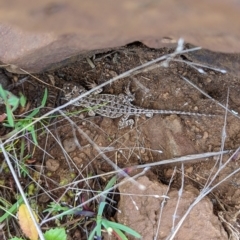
[(88, 132), (208, 80), (146, 159), (142, 151), (43, 198), (69, 145), (169, 172), (113, 73), (52, 165), (81, 116), (197, 130), (189, 170), (205, 135), (78, 160)]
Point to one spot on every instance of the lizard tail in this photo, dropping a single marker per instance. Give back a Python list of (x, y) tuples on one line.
[(180, 113)]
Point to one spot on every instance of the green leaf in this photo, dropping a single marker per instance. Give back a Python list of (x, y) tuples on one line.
[(24, 170), (36, 110), (111, 183), (106, 226), (100, 209), (109, 229), (44, 100), (12, 210), (13, 101), (99, 226), (92, 234), (6, 125), (124, 228), (16, 238), (120, 234), (56, 207), (34, 136), (3, 93), (33, 113), (10, 116), (56, 234), (22, 100)]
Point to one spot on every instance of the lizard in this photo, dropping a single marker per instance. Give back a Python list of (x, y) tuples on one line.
[(114, 106)]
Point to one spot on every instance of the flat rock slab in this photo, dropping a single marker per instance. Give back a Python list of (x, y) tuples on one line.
[(36, 35)]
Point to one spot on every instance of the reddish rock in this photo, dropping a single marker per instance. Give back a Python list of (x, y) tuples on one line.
[(36, 36), (142, 212)]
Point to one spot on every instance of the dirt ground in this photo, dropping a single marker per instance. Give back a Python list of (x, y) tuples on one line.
[(151, 139)]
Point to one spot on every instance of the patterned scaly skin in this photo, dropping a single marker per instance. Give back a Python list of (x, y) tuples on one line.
[(114, 106)]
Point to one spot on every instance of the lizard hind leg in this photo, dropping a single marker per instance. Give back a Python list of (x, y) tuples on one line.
[(149, 115), (91, 113), (125, 122)]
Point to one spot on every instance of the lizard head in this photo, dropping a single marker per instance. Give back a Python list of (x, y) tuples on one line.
[(72, 91)]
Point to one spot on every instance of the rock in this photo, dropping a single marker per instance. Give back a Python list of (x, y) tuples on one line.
[(43, 198), (80, 159), (37, 36), (143, 214), (52, 165), (70, 144), (169, 134)]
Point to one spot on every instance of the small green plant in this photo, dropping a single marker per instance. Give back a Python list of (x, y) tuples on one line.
[(27, 225), (8, 208), (53, 233), (112, 227), (12, 102), (56, 208), (96, 219), (56, 234)]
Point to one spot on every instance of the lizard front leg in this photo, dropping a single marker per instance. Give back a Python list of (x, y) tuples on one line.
[(91, 85), (125, 122), (130, 96)]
